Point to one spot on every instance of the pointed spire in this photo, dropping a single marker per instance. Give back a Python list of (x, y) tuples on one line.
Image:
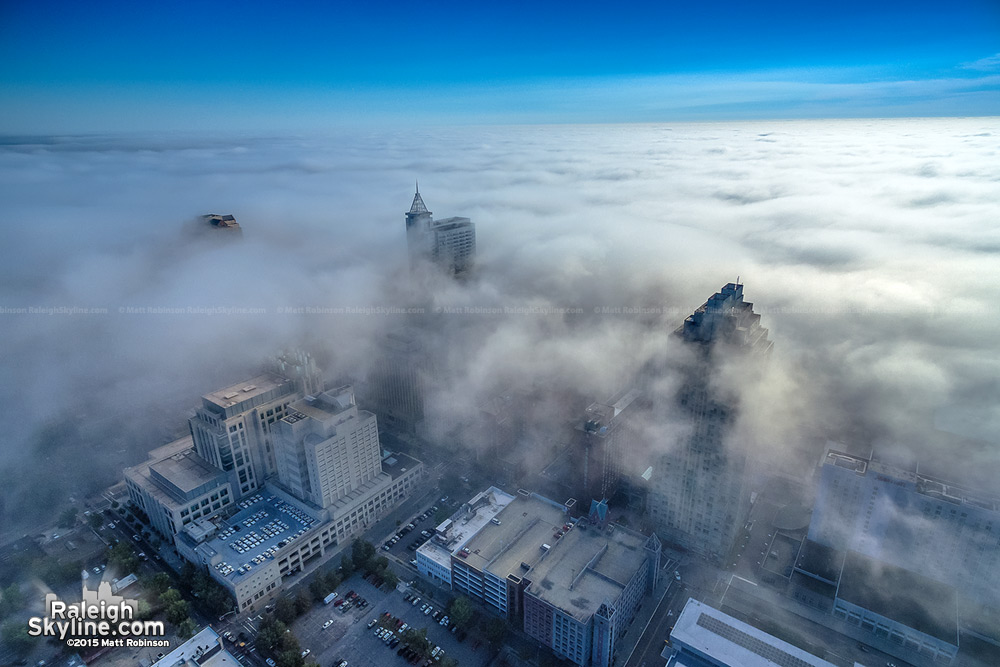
[(418, 206)]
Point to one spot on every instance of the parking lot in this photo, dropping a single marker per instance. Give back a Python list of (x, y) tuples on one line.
[(403, 544), (348, 637)]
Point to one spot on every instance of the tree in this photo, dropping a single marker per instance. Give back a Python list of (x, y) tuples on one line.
[(318, 588), (178, 611), (332, 580), (159, 582), (186, 629), (284, 610), (11, 599), (448, 661), (95, 520), (417, 640), (170, 596), (347, 565), (271, 633), (290, 659), (496, 632), (124, 557), (143, 611), (389, 577), (302, 603), (461, 611), (362, 551), (14, 636), (68, 518)]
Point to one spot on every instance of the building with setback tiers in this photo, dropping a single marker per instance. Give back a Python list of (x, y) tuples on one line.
[(450, 243), (176, 487), (699, 497)]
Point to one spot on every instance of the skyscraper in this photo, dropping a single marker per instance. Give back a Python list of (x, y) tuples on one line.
[(449, 243), (699, 497), (326, 448)]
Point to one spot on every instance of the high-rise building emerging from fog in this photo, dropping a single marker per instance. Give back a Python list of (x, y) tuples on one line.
[(449, 243), (699, 497)]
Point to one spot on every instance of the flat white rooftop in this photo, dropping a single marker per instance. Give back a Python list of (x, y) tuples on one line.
[(464, 524), (725, 640), (203, 650)]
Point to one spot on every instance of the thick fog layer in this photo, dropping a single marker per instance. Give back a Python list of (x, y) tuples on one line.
[(870, 248)]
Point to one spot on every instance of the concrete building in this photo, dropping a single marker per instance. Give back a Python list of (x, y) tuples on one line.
[(699, 498), (706, 637), (205, 649), (450, 243), (232, 428), (604, 445), (396, 380), (913, 611), (220, 226), (326, 448), (274, 534), (572, 585), (176, 487), (910, 520), (434, 557)]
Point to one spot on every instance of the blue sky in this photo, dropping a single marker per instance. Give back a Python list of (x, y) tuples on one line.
[(71, 66)]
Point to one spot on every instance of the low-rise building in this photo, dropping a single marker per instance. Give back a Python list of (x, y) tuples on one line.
[(572, 584), (176, 487), (205, 649), (909, 609), (274, 534), (706, 637)]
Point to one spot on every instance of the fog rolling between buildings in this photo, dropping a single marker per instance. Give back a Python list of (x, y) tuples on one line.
[(868, 248)]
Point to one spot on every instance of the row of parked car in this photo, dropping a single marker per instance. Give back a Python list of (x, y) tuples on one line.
[(350, 601), (390, 631), (405, 530)]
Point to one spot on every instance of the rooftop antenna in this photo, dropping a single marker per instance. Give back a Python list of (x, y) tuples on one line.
[(417, 183), (737, 280)]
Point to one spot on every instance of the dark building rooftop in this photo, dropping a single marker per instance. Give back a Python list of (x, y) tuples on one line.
[(909, 598), (820, 562)]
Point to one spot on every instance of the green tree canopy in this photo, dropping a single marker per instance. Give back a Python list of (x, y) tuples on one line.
[(14, 636), (186, 629), (461, 611), (68, 518), (284, 610), (271, 633), (178, 612), (496, 631), (159, 582), (362, 551)]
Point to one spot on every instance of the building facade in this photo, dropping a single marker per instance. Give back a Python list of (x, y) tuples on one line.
[(176, 487), (397, 379), (699, 496), (232, 428), (909, 520), (449, 243), (706, 637), (604, 443), (569, 583)]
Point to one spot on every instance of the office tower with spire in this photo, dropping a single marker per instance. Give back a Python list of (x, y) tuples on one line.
[(700, 497), (449, 243)]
